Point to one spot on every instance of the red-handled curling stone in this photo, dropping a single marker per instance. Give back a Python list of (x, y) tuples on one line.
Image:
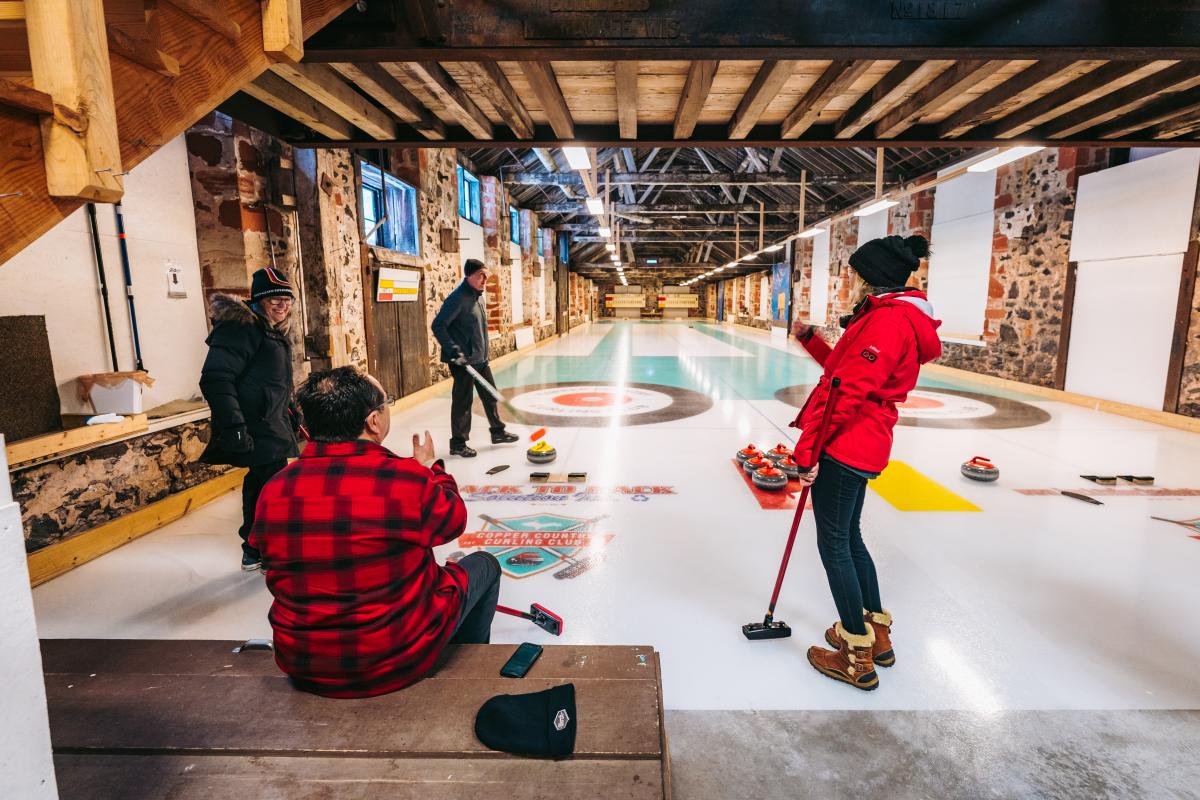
[(749, 451), (789, 467), (778, 452), (755, 463), (980, 469), (772, 479)]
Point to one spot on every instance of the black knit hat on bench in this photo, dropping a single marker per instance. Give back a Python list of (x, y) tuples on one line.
[(538, 724)]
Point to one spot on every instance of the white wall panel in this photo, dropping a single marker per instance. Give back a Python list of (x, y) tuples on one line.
[(818, 295), (873, 226), (960, 264)]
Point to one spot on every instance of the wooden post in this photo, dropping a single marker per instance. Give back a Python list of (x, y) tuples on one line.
[(283, 30), (803, 197), (761, 223), (68, 50), (878, 172)]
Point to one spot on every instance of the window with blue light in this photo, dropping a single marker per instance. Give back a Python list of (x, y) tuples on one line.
[(514, 224), (541, 237), (469, 205), (389, 205), (564, 249)]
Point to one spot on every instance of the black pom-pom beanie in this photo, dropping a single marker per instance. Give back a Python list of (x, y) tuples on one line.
[(890, 260)]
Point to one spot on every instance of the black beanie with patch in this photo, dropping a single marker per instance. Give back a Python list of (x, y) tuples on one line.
[(890, 260), (268, 282), (537, 724), (471, 266)]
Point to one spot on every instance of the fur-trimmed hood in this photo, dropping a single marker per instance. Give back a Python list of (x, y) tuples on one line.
[(228, 308)]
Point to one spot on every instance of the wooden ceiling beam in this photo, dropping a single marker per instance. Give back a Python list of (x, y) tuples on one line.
[(837, 78), (771, 77), (691, 100), (1173, 106), (687, 178), (283, 30), (1179, 78), (547, 158), (957, 79), (68, 50), (17, 95), (327, 88), (545, 87), (891, 90), (626, 76), (210, 13), (491, 82), (274, 91), (1180, 126), (1084, 89), (451, 95), (134, 33), (390, 93), (669, 208), (1035, 81)]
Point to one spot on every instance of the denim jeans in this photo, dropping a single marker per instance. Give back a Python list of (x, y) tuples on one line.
[(479, 606), (837, 496)]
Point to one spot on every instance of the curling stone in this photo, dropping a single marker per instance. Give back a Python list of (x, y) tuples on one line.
[(789, 467), (755, 463), (778, 452), (541, 453), (770, 478), (980, 469), (750, 451)]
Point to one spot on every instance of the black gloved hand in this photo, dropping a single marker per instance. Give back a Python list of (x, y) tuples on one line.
[(236, 440), (458, 357)]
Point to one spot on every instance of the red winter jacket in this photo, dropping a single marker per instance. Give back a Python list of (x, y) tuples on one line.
[(346, 533), (878, 359)]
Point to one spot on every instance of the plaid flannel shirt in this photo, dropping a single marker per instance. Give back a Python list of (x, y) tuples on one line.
[(346, 533)]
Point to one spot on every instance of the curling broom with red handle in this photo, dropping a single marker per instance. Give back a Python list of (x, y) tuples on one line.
[(770, 628)]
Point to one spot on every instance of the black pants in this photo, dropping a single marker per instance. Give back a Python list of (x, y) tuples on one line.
[(461, 399), (837, 496), (479, 606), (252, 486)]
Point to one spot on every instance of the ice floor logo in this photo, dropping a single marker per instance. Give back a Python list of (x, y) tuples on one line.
[(537, 543)]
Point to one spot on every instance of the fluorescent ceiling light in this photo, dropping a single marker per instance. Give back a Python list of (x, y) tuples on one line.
[(1004, 157), (615, 257), (772, 248), (731, 264), (612, 248), (749, 256), (577, 157), (651, 260), (606, 232), (595, 206), (878, 205), (811, 232), (718, 269)]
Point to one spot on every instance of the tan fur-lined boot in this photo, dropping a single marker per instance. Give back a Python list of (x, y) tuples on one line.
[(851, 663), (881, 651)]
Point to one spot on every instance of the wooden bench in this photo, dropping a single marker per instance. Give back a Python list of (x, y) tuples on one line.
[(191, 719)]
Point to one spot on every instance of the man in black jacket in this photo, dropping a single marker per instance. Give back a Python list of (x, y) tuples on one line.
[(247, 381), (461, 329)]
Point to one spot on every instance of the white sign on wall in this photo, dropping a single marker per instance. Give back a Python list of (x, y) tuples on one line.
[(818, 295), (175, 285)]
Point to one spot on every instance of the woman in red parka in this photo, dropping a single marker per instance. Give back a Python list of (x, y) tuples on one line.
[(889, 335)]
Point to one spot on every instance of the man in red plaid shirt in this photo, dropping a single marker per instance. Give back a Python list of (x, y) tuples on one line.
[(347, 533)]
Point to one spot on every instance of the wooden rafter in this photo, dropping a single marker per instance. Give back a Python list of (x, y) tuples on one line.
[(691, 100), (691, 178), (328, 89), (892, 89), (959, 78), (1032, 82), (283, 30), (491, 82), (379, 84), (17, 95), (545, 87), (68, 50), (626, 76), (285, 98), (546, 157), (836, 79), (1178, 78), (1179, 126), (1173, 106), (212, 14), (1084, 89), (456, 101), (771, 77), (133, 33), (669, 208)]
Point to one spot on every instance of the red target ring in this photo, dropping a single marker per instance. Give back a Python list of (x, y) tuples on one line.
[(591, 399)]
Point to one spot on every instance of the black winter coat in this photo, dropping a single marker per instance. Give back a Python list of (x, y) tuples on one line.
[(462, 322), (247, 380)]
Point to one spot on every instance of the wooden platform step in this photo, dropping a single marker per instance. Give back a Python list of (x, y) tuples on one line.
[(191, 719)]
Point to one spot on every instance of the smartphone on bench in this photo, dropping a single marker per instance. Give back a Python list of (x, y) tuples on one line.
[(519, 663)]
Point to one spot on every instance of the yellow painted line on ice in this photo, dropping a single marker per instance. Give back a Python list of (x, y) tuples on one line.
[(908, 490)]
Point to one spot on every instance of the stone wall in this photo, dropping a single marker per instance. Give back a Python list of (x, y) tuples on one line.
[(1035, 208), (1189, 391), (437, 208), (65, 497), (342, 257)]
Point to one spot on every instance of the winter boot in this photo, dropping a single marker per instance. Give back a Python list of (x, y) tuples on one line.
[(851, 663), (881, 622)]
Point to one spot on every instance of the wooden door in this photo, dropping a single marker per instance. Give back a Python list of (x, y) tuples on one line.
[(414, 343)]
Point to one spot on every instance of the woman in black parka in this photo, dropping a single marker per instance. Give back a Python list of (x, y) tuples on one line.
[(247, 381)]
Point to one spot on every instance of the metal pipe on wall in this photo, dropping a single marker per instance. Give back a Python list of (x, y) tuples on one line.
[(103, 281), (133, 326)]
